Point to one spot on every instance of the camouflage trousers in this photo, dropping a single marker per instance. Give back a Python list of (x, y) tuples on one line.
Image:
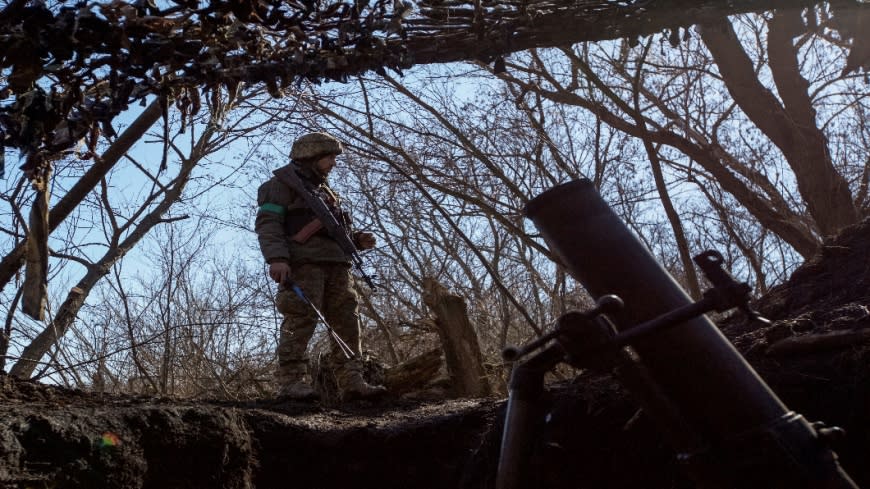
[(329, 287)]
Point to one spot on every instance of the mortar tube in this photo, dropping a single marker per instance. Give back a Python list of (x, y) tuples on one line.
[(711, 384)]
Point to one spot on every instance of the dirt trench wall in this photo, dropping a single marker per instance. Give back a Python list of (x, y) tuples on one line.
[(166, 446), (147, 446), (594, 437)]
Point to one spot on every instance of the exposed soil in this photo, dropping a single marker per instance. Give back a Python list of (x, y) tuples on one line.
[(595, 436)]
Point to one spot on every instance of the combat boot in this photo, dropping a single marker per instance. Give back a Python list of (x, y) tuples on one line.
[(297, 391), (352, 385)]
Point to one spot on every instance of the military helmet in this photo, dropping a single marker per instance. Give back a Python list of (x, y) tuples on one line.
[(315, 144)]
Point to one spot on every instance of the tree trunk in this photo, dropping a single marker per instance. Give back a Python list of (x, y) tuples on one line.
[(36, 273), (461, 348), (414, 373), (790, 125)]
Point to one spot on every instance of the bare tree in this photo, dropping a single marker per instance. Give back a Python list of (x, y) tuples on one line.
[(789, 120), (683, 110), (122, 237), (13, 260)]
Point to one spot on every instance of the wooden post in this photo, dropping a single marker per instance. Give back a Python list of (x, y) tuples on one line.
[(459, 340)]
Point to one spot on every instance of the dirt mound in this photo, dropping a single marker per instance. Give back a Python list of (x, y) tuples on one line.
[(822, 308), (54, 438), (839, 275)]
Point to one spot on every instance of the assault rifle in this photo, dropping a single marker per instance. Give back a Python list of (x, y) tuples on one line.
[(728, 428), (336, 230)]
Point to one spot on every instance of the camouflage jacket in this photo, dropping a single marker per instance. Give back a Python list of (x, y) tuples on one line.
[(283, 213)]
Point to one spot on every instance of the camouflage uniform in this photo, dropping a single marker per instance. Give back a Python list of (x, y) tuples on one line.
[(318, 265)]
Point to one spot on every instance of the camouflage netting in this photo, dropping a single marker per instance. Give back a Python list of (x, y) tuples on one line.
[(67, 71)]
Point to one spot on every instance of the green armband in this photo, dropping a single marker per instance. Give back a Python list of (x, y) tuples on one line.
[(273, 208)]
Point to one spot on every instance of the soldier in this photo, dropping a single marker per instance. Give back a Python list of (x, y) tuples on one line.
[(297, 247)]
